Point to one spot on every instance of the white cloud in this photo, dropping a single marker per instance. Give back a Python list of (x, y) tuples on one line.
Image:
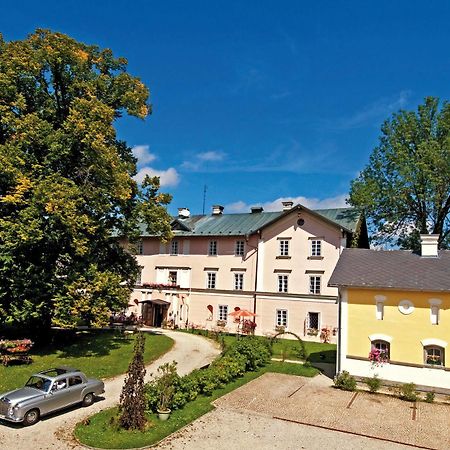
[(211, 156), (169, 177), (276, 205), (371, 113), (142, 153), (200, 160)]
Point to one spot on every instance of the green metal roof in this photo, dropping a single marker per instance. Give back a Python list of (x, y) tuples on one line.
[(248, 223)]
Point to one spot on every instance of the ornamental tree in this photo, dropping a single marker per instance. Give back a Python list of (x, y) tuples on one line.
[(405, 188), (66, 182)]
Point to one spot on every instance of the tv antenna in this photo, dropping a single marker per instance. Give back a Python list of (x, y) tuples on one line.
[(204, 198)]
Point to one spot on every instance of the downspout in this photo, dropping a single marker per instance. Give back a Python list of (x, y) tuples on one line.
[(247, 237), (338, 358)]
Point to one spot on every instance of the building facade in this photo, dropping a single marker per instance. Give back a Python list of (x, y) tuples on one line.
[(395, 314), (274, 264)]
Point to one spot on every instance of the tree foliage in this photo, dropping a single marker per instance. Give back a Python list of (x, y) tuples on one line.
[(66, 182), (132, 398), (405, 189)]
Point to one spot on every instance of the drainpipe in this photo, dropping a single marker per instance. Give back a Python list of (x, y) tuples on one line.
[(256, 274), (338, 356)]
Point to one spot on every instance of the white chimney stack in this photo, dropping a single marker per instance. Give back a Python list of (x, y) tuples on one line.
[(429, 245), (217, 210), (287, 205), (183, 213)]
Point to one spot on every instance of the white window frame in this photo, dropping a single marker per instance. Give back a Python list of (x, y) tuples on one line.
[(138, 281), (316, 247), (174, 248), (283, 249), (239, 248), (308, 321), (426, 348), (281, 318), (313, 284), (139, 247), (238, 281), (283, 283), (176, 277), (379, 306), (222, 313), (212, 248), (211, 280)]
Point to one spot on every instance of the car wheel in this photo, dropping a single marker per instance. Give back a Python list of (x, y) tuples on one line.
[(31, 417), (88, 399)]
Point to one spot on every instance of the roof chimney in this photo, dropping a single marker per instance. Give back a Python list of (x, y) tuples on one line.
[(183, 213), (217, 210), (287, 205), (256, 209), (429, 245)]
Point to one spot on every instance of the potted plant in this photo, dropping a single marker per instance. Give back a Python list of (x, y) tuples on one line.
[(165, 384)]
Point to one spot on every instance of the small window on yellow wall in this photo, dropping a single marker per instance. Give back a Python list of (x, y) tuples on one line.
[(434, 355)]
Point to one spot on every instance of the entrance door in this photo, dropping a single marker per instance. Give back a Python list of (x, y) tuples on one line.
[(160, 315)]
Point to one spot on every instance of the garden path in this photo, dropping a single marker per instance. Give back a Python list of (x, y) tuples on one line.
[(55, 431)]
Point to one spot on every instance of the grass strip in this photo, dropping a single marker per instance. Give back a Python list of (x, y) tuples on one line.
[(100, 430)]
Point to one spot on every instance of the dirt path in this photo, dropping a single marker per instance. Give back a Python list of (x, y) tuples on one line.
[(55, 432)]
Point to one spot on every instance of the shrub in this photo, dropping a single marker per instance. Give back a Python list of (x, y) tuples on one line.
[(374, 383), (256, 351), (429, 397), (132, 397), (345, 381), (408, 392)]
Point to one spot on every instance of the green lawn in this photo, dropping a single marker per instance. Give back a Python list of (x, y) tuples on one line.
[(99, 432), (99, 354), (289, 349)]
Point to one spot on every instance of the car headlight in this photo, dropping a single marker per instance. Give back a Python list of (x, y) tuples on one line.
[(12, 410)]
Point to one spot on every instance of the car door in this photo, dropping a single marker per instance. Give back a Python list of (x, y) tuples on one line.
[(57, 396), (76, 385)]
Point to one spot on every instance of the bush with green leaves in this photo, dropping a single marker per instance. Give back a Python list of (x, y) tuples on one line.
[(241, 356), (373, 383), (429, 397), (345, 381), (408, 392)]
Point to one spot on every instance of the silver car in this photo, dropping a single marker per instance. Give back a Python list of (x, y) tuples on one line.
[(48, 391)]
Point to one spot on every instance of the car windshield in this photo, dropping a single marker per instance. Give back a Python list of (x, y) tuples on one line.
[(43, 384)]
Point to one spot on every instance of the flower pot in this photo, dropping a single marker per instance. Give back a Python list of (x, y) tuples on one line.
[(163, 415)]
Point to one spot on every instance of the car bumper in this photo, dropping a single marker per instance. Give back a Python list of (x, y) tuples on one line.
[(11, 419)]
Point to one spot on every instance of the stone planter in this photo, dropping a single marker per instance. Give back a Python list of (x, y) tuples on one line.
[(163, 415)]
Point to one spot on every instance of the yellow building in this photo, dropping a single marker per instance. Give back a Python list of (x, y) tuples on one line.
[(394, 314)]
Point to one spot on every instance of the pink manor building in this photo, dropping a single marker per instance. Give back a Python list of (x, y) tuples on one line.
[(275, 264)]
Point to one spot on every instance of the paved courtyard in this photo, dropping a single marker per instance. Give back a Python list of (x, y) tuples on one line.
[(283, 411)]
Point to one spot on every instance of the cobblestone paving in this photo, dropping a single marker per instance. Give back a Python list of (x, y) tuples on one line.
[(307, 401)]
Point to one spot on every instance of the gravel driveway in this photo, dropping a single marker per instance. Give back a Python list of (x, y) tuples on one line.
[(55, 432)]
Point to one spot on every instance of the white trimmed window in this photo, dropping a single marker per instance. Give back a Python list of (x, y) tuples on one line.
[(434, 355), (313, 321), (139, 247), (139, 276), (173, 278), (382, 346), (379, 306), (211, 280), (316, 247), (282, 283), (284, 247), (314, 284), (239, 249), (212, 249), (174, 248), (238, 281), (435, 303), (281, 318), (223, 312)]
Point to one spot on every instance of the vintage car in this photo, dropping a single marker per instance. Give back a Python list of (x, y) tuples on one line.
[(48, 391)]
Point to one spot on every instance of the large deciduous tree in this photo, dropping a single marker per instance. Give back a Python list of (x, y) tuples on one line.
[(66, 182), (405, 188)]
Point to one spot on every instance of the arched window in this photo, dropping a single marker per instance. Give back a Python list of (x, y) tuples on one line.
[(433, 355), (383, 347)]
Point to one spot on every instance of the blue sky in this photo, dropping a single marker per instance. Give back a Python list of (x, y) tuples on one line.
[(259, 100)]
